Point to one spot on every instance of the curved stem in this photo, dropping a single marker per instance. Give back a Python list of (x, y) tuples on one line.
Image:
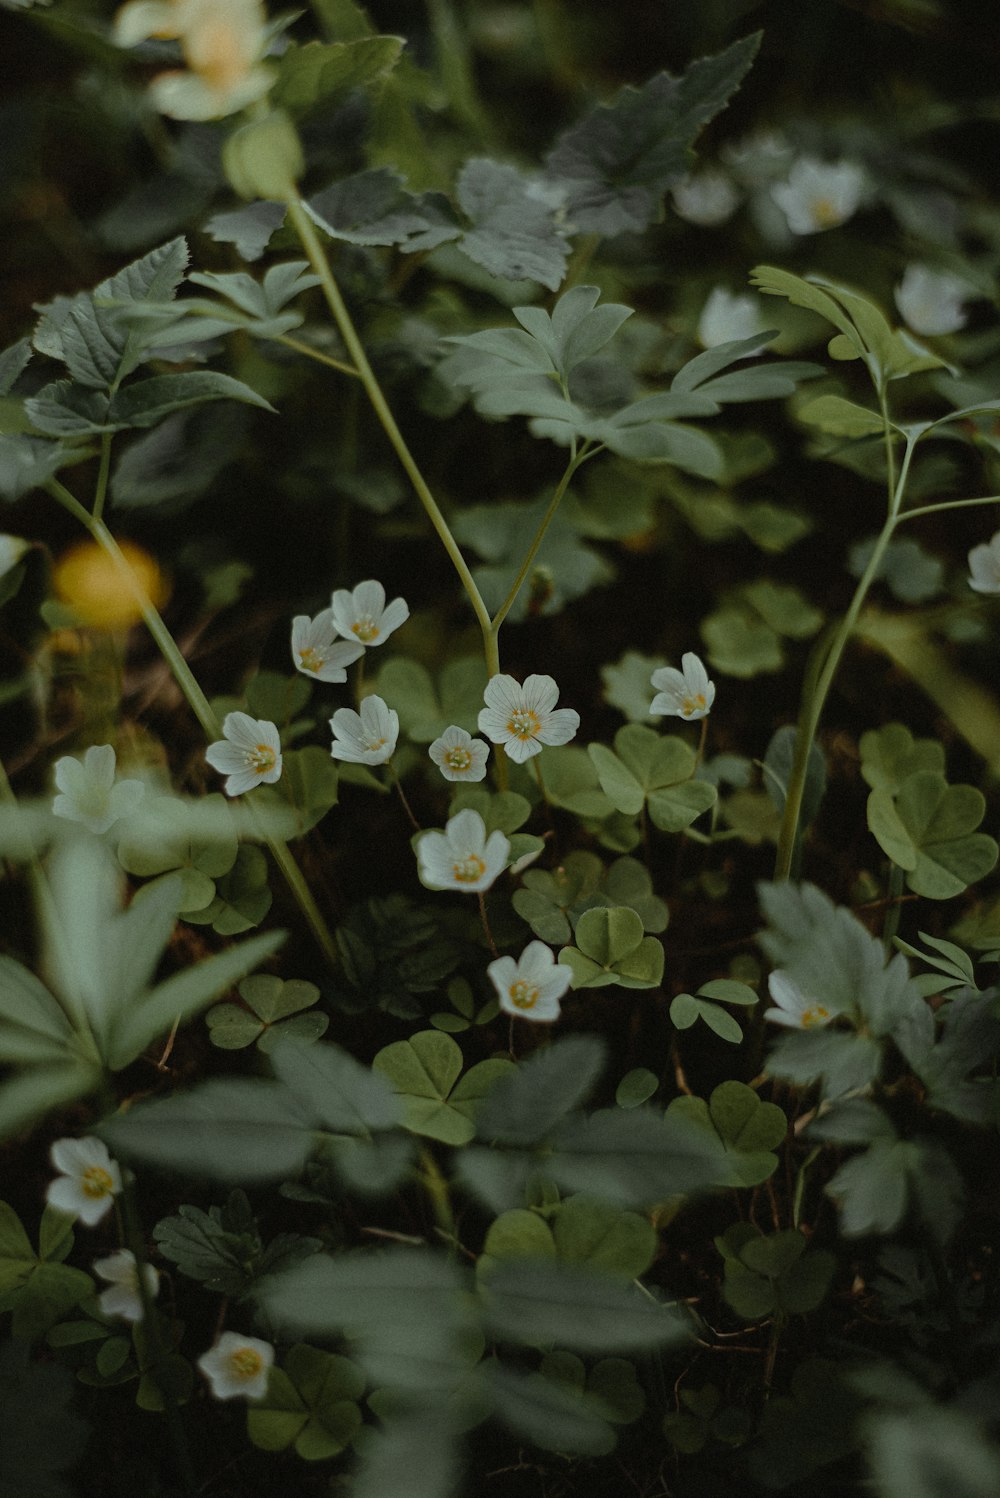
[(574, 463), (949, 504)]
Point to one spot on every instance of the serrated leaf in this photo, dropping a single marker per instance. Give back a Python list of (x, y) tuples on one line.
[(372, 208), (515, 230), (526, 1105), (316, 73)]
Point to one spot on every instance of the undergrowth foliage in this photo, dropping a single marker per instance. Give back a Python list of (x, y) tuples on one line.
[(593, 1124)]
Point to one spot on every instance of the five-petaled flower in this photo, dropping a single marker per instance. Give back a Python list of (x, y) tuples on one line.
[(984, 566), (223, 41), (88, 1179), (89, 792), (123, 1297), (531, 987), (819, 194), (318, 652), (250, 753), (364, 614), (687, 693), (523, 718), (462, 857), (795, 1009), (365, 738), (459, 756), (932, 301), (237, 1366)]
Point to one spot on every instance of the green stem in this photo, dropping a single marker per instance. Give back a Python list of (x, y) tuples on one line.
[(892, 913), (574, 463), (815, 695), (317, 258), (949, 504), (437, 1189), (314, 353), (199, 705), (101, 490)]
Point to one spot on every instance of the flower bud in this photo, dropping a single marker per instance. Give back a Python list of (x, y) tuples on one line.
[(264, 159)]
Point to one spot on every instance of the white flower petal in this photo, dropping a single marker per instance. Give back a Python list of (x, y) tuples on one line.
[(237, 1367)]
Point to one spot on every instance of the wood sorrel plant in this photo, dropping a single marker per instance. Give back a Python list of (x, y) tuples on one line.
[(495, 1177)]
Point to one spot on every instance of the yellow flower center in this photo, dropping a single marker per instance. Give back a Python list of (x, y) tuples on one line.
[(96, 1182), (523, 995), (693, 704), (825, 213), (245, 1363), (816, 1014), (366, 630), (524, 724), (311, 660), (372, 744), (262, 758), (468, 870), (458, 759)]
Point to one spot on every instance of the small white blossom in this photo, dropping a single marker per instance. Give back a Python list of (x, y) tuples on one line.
[(237, 1366), (250, 753), (523, 718), (984, 565), (124, 1297), (705, 198), (819, 195), (687, 693), (758, 158), (316, 649), (88, 1180), (365, 738), (462, 857), (12, 549), (89, 792), (459, 756), (931, 301), (364, 615), (795, 1010), (531, 987), (727, 316)]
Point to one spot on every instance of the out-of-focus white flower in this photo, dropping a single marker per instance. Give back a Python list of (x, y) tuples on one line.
[(89, 793), (88, 1179), (364, 615), (531, 987), (223, 42), (687, 693), (12, 549), (931, 301), (705, 198), (819, 194), (758, 158), (795, 1010), (316, 649), (237, 1366), (459, 756), (462, 857), (523, 718), (124, 1297), (727, 316), (984, 565), (368, 738), (250, 753)]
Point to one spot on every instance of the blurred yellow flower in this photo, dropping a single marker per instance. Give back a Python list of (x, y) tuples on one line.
[(87, 579), (223, 42)]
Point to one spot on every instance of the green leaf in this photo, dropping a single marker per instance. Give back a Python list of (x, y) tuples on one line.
[(932, 1452), (889, 755), (599, 1237), (686, 1009), (42, 1089), (516, 234), (242, 897), (611, 948), (779, 759), (636, 1087), (929, 830), (315, 74), (340, 1093), (17, 1257), (618, 161), (748, 1129), (547, 1413), (33, 1027), (311, 1401), (145, 402), (424, 1071), (26, 463), (372, 208), (840, 418), (527, 1104), (540, 1303)]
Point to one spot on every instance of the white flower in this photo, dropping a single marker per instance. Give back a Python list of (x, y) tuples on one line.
[(459, 756), (984, 565), (794, 1009), (223, 42), (931, 301), (687, 693), (89, 792), (758, 158), (462, 857), (237, 1366), (316, 649), (363, 614), (250, 754), (12, 549), (124, 1297), (523, 718), (727, 316), (367, 738), (531, 987), (89, 1179), (705, 198), (819, 195)]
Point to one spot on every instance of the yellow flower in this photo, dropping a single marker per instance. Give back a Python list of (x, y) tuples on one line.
[(87, 579), (223, 42)]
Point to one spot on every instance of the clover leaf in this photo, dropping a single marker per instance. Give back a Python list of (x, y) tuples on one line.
[(772, 1274), (611, 948), (686, 1008), (312, 1402), (928, 829), (273, 1010), (647, 769), (748, 1129), (425, 1071)]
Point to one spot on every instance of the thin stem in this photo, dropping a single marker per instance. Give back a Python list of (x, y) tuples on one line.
[(949, 504), (317, 258), (815, 700), (402, 796), (887, 433), (539, 536), (101, 490), (486, 925), (893, 906), (437, 1189), (200, 706), (315, 353)]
